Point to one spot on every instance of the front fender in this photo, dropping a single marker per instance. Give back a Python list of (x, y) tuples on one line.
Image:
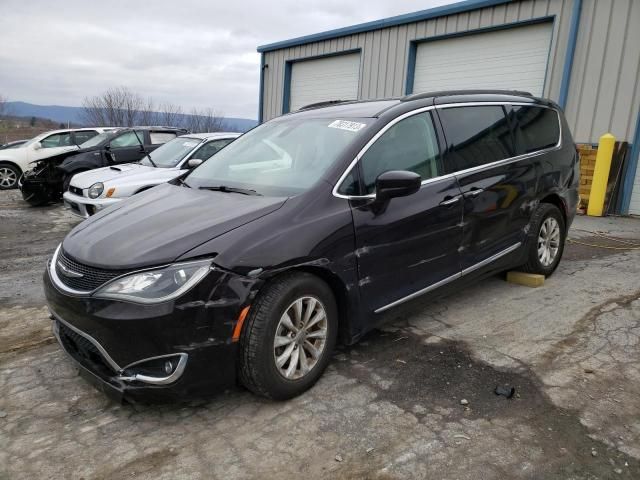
[(84, 161)]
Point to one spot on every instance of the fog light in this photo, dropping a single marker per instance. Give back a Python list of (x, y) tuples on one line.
[(168, 367)]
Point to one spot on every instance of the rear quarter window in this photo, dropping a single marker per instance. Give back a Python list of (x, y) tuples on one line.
[(475, 135), (538, 128), (158, 138)]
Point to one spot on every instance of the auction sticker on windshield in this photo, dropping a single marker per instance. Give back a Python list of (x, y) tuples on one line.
[(346, 125)]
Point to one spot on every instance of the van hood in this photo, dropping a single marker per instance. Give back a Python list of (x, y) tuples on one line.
[(161, 224), (113, 173)]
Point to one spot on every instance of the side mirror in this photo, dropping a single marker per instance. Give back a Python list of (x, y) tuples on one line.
[(37, 146), (194, 162), (396, 183)]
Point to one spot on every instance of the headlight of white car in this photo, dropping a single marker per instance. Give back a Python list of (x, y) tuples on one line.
[(96, 190), (155, 286)]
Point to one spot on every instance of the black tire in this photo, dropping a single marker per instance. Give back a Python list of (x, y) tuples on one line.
[(534, 264), (66, 180), (257, 367), (9, 176)]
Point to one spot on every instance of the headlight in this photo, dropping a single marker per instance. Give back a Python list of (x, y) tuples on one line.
[(96, 190), (155, 286)]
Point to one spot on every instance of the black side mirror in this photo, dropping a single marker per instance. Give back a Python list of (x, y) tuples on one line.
[(396, 183)]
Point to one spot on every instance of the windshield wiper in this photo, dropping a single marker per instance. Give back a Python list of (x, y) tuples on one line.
[(224, 188), (182, 182), (151, 160)]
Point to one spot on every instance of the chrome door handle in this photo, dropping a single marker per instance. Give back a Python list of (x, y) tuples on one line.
[(450, 201), (474, 192)]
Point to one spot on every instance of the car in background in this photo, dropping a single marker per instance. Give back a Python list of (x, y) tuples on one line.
[(16, 160), (91, 191), (50, 177), (14, 144)]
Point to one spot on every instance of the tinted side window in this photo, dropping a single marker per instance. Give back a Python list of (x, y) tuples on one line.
[(539, 128), (475, 136), (410, 144), (84, 135)]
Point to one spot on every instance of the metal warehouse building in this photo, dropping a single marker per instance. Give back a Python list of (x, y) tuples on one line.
[(584, 54)]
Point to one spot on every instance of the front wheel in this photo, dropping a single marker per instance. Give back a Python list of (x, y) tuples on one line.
[(546, 240), (287, 340), (9, 175)]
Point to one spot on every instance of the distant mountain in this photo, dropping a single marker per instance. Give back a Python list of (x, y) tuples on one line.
[(73, 115)]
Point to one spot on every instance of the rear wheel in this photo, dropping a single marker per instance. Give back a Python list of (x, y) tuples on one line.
[(9, 175), (289, 335), (546, 240)]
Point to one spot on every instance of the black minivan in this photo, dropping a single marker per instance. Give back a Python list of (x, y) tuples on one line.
[(302, 232)]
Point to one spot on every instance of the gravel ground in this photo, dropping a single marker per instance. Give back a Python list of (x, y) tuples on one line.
[(412, 400)]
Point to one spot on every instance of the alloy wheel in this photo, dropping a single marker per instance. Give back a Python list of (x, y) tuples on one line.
[(548, 241), (8, 177), (300, 338)]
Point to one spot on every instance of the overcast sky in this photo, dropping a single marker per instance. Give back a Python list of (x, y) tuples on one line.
[(191, 53)]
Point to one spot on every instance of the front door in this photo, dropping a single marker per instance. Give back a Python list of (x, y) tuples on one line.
[(411, 244), (127, 148)]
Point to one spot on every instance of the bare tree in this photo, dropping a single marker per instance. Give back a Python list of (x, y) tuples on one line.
[(117, 107), (206, 120), (120, 107), (170, 115)]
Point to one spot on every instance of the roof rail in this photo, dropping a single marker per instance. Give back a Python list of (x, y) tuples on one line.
[(447, 93), (324, 103)]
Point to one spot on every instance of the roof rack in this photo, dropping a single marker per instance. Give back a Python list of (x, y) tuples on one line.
[(324, 103), (447, 93)]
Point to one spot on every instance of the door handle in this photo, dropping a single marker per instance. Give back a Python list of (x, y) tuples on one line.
[(450, 200), (474, 192)]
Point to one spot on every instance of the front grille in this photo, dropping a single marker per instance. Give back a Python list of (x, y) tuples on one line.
[(76, 190), (91, 278), (85, 352)]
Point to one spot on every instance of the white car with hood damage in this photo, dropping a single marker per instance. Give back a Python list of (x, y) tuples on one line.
[(94, 190)]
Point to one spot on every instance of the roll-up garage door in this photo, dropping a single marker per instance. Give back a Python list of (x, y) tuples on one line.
[(511, 59), (330, 78)]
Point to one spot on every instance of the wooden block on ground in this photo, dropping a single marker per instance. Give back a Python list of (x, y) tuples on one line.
[(527, 279)]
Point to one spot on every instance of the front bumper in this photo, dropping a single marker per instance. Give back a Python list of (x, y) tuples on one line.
[(112, 340), (85, 206)]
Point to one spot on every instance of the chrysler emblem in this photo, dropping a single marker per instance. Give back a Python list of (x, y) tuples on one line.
[(68, 272)]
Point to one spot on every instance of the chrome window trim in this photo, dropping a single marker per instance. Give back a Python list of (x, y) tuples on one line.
[(451, 278), (504, 161)]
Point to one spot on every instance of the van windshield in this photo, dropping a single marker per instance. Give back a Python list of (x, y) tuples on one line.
[(280, 158)]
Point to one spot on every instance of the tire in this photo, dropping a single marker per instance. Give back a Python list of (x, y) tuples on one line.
[(258, 367), (547, 233), (66, 179), (9, 175)]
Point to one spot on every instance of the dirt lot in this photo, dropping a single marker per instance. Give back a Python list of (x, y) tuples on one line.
[(388, 408)]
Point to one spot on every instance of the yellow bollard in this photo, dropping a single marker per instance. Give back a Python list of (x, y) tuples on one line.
[(601, 175)]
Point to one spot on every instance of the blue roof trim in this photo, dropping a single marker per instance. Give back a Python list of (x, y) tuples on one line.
[(435, 12)]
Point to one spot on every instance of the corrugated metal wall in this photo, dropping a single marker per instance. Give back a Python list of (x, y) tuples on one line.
[(603, 93)]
